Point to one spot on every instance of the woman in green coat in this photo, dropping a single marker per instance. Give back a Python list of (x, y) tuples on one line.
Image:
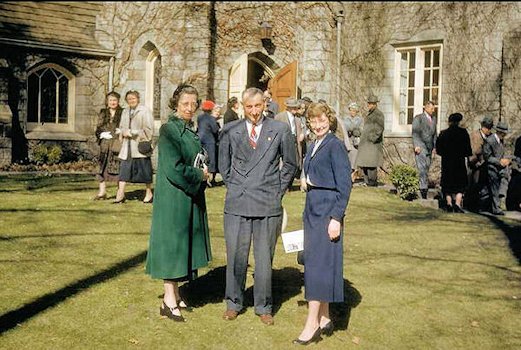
[(179, 239)]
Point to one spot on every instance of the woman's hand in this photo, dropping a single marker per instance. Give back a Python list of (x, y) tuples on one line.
[(205, 173), (303, 185), (334, 230)]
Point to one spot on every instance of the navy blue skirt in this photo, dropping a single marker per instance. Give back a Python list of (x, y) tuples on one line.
[(136, 170), (323, 259)]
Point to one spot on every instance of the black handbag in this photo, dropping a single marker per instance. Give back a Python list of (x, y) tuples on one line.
[(145, 147)]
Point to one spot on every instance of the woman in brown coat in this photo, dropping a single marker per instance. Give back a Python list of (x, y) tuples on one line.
[(108, 121)]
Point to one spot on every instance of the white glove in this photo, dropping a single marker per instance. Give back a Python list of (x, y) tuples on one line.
[(105, 135)]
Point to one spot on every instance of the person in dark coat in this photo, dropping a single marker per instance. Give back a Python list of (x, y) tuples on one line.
[(179, 242), (513, 200), (424, 139), (370, 149), (476, 197), (231, 110), (328, 187), (453, 145), (208, 131), (108, 141), (497, 163)]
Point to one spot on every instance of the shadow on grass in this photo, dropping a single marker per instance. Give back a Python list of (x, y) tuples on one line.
[(340, 313), (512, 232), (12, 318), (54, 235), (209, 288)]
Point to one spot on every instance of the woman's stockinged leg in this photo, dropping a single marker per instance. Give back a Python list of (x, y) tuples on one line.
[(312, 321)]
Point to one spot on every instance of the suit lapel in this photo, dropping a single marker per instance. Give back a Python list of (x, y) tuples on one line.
[(242, 137), (323, 144)]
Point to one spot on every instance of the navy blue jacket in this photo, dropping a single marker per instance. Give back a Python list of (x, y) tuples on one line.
[(207, 129), (329, 168)]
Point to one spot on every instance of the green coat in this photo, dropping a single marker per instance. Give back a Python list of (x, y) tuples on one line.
[(179, 239), (370, 149)]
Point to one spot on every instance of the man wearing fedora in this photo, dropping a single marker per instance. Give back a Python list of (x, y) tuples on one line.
[(497, 163), (424, 139), (290, 117), (370, 149), (475, 197)]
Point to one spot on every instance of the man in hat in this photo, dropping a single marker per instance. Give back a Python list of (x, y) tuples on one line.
[(290, 117), (497, 163), (370, 149), (475, 197), (424, 139)]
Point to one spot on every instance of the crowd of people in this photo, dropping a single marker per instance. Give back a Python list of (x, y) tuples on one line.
[(259, 152), (477, 173)]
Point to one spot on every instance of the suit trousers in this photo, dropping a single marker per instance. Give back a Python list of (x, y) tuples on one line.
[(493, 187), (423, 163), (239, 231), (370, 176)]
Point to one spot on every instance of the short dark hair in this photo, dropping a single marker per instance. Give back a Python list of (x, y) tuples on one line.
[(183, 88), (232, 101)]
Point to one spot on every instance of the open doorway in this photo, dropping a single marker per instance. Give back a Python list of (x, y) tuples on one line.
[(251, 70)]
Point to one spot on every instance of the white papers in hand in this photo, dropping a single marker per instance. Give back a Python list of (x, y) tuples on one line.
[(293, 241)]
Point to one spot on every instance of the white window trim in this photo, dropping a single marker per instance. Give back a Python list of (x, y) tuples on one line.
[(71, 99), (406, 129)]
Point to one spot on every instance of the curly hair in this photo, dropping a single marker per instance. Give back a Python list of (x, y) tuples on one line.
[(315, 110), (182, 89)]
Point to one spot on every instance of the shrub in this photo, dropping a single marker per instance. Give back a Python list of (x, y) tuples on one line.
[(405, 178), (40, 154), (47, 155), (54, 154)]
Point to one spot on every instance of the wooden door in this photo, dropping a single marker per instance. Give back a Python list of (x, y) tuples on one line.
[(284, 84), (238, 78)]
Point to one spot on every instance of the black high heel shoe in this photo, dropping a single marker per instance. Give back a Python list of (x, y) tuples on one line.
[(167, 311), (315, 338), (151, 200), (328, 329)]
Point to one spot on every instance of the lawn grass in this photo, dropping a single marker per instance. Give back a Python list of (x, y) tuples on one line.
[(72, 276)]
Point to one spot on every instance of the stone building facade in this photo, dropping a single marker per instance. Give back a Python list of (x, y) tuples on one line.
[(466, 57)]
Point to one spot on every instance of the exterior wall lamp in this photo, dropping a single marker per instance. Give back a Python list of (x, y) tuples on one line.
[(265, 34)]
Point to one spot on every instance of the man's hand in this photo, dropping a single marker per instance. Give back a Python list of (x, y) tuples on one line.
[(334, 230), (417, 149), (504, 162)]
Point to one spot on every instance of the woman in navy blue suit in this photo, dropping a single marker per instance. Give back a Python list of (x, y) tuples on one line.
[(327, 181)]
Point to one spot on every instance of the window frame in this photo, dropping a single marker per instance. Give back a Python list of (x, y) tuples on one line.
[(419, 50), (71, 89)]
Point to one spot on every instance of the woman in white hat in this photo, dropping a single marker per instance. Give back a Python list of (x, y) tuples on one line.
[(354, 123)]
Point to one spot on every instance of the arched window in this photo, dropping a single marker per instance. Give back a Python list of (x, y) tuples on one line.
[(50, 92)]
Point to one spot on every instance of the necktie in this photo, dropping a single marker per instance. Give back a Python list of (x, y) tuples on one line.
[(253, 137)]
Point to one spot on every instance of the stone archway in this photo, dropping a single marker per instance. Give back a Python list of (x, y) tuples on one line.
[(251, 70)]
